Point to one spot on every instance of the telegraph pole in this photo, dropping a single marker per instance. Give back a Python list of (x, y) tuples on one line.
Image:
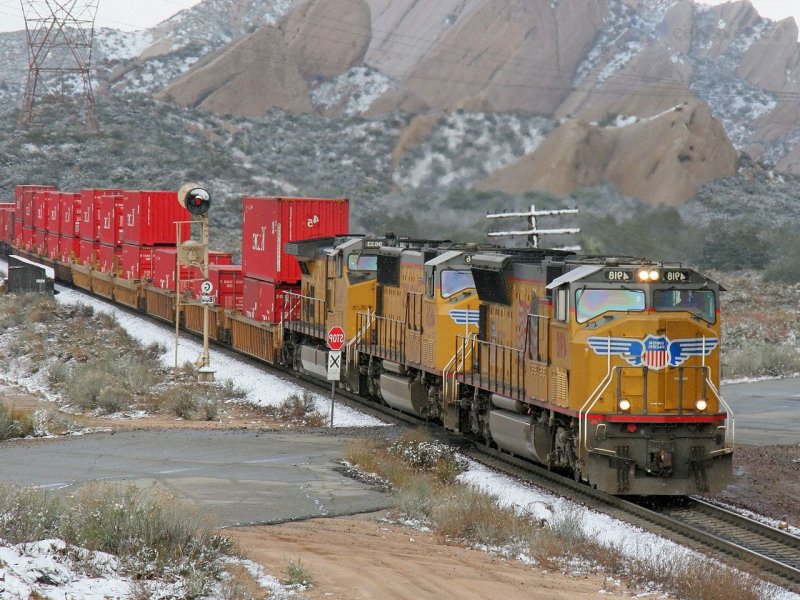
[(60, 35)]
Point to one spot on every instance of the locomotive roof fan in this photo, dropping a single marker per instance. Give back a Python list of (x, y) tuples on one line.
[(194, 198)]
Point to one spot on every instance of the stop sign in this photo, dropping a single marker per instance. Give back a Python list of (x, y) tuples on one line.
[(335, 338)]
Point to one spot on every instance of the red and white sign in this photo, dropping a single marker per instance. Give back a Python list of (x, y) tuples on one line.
[(336, 338)]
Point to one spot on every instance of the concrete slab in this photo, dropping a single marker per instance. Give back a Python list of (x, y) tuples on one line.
[(242, 477), (767, 412)]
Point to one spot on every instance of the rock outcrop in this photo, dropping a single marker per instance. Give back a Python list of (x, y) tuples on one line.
[(663, 159)]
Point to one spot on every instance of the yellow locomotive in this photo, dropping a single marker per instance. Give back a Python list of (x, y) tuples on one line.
[(605, 367)]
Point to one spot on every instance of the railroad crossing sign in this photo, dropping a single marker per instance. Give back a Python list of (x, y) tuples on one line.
[(206, 287), (334, 365), (336, 338)]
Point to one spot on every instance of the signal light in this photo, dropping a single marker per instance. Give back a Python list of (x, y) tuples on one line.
[(701, 405), (194, 199)]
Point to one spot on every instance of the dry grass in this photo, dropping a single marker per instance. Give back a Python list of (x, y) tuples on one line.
[(423, 473), (154, 534), (296, 409)]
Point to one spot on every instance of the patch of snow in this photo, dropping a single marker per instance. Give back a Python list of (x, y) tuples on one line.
[(263, 389), (353, 91), (464, 147), (113, 45)]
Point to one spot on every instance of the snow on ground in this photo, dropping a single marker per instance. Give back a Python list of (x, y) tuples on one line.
[(632, 541), (263, 389)]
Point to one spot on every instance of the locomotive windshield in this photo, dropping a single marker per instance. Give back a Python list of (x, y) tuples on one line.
[(361, 262), (592, 303), (697, 302), (456, 281)]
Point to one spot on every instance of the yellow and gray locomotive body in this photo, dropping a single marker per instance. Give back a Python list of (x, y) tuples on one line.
[(605, 367)]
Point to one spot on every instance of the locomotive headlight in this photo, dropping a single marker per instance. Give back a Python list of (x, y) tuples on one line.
[(624, 405), (701, 405), (643, 275), (654, 275)]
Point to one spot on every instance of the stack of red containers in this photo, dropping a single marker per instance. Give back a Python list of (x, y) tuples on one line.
[(43, 200), (69, 226), (147, 224), (23, 214), (52, 223), (270, 222), (109, 232), (90, 225)]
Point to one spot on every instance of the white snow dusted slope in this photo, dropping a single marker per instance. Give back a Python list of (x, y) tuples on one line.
[(262, 388)]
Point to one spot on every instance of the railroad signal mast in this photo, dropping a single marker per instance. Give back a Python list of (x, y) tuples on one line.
[(533, 232), (197, 201), (60, 34)]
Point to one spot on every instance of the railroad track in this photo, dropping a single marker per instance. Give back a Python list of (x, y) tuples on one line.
[(744, 543), (736, 540)]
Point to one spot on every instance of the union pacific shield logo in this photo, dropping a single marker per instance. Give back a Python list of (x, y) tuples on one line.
[(655, 351), (465, 316)]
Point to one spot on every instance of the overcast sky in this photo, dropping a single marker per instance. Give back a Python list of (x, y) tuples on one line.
[(141, 14)]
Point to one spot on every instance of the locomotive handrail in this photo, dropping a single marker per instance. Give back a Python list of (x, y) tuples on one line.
[(505, 363), (450, 383), (583, 413), (351, 356)]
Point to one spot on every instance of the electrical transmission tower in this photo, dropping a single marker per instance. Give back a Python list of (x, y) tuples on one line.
[(60, 35)]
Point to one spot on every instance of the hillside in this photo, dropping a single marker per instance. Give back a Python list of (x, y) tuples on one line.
[(513, 97)]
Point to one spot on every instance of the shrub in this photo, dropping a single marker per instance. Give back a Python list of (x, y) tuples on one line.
[(113, 399), (57, 372), (297, 574), (85, 385)]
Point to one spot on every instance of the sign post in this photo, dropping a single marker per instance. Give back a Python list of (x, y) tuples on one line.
[(336, 338)]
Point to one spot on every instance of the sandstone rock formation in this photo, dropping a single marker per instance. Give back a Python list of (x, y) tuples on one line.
[(663, 159)]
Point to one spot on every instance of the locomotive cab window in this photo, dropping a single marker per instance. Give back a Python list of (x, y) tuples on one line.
[(562, 304), (454, 282), (591, 303), (361, 262), (700, 303)]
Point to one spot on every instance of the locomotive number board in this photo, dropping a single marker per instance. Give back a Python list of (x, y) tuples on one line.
[(618, 275), (676, 276)]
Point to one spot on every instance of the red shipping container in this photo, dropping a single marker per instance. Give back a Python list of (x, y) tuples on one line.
[(110, 219), (53, 207), (226, 279), (39, 242), (108, 258), (68, 248), (87, 252), (52, 243), (7, 222), (164, 265), (70, 214), (149, 218), (231, 301), (136, 262), (18, 230), (263, 300), (40, 210), (90, 208), (27, 238), (268, 223)]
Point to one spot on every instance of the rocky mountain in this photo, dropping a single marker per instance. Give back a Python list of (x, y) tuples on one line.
[(656, 97)]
